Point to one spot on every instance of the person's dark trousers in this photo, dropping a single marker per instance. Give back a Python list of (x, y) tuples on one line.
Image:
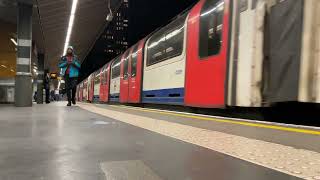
[(71, 87), (47, 95)]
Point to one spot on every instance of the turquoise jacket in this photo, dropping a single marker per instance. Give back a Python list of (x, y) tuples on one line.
[(74, 66)]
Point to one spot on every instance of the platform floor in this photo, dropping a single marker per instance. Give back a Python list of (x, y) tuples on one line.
[(101, 142)]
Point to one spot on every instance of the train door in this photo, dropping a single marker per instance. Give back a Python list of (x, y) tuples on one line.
[(207, 44), (124, 80), (135, 79), (85, 90), (91, 87), (104, 87), (97, 82), (81, 92), (115, 80), (246, 56)]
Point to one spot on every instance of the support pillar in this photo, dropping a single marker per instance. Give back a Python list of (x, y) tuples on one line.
[(23, 84), (40, 79)]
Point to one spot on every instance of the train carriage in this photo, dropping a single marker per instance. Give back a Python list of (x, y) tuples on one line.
[(249, 53), (164, 65)]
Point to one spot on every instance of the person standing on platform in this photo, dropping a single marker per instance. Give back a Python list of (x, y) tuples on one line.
[(47, 86), (70, 67)]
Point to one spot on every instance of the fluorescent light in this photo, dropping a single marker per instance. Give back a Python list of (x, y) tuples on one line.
[(59, 84), (70, 25), (14, 41), (3, 66)]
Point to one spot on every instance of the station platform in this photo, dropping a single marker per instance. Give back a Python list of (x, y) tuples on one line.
[(108, 142)]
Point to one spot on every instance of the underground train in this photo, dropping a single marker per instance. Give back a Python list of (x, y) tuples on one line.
[(220, 53)]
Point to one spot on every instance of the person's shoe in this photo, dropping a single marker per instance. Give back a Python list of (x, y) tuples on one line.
[(69, 104), (74, 102)]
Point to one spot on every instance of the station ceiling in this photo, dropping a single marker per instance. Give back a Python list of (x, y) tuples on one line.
[(50, 24)]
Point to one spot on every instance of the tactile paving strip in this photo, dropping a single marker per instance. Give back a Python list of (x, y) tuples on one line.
[(297, 162)]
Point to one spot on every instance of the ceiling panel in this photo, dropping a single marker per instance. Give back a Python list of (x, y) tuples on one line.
[(50, 23), (54, 17)]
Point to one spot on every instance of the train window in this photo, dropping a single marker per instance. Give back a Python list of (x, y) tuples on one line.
[(254, 4), (155, 48), (97, 78), (167, 43), (243, 5), (134, 58), (104, 76), (126, 66), (211, 24), (116, 68)]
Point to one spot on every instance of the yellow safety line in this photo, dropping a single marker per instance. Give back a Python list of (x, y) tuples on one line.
[(251, 124)]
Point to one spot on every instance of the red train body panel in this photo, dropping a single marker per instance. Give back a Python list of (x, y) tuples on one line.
[(135, 69), (205, 76), (124, 76)]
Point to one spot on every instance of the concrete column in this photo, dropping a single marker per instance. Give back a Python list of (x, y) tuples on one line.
[(40, 78), (23, 84)]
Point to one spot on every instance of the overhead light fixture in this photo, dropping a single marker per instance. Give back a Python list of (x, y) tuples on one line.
[(71, 20), (14, 41), (110, 15)]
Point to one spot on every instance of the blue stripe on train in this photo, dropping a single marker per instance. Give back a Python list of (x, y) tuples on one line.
[(164, 96), (115, 97), (96, 98)]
